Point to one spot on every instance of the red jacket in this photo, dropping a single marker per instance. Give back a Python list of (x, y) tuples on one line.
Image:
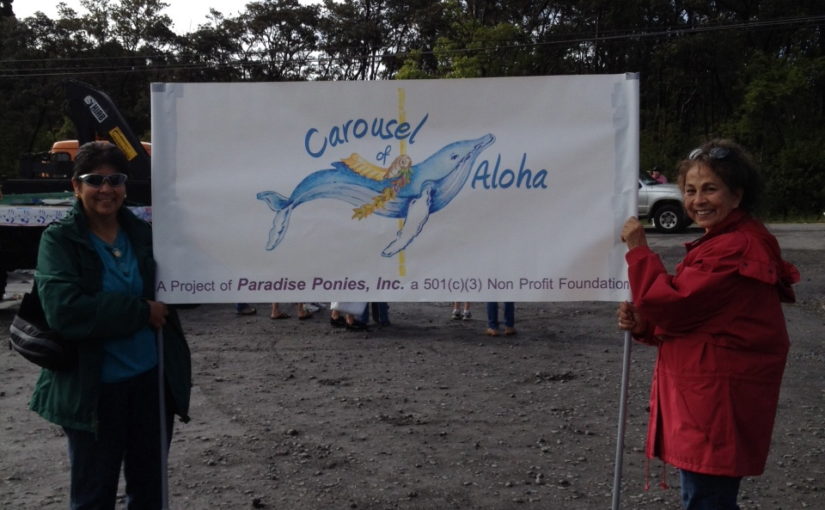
[(720, 330)]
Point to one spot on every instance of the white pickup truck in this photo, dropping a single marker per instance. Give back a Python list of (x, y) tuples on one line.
[(662, 204)]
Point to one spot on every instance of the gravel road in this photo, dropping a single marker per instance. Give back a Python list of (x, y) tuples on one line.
[(428, 413)]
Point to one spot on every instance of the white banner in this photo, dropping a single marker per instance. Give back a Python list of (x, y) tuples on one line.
[(501, 189)]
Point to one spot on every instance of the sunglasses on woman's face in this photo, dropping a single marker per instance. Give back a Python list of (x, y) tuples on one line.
[(713, 153), (97, 180)]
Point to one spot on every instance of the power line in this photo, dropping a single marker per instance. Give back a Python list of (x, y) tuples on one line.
[(579, 38)]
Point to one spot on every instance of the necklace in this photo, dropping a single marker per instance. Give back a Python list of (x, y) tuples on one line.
[(113, 247), (117, 249)]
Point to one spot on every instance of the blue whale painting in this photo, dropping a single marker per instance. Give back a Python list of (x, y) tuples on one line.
[(425, 188)]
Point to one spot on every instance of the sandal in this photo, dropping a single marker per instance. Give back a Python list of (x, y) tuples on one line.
[(280, 316), (357, 326), (248, 310), (305, 316)]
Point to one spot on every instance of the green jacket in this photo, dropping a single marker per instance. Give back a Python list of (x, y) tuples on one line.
[(69, 281)]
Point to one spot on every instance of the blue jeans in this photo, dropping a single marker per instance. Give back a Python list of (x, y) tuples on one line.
[(709, 492), (509, 314), (380, 313), (128, 434)]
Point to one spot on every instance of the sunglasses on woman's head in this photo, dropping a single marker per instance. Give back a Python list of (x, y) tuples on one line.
[(713, 153), (97, 180)]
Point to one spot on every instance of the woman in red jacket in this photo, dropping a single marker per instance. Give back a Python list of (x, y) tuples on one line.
[(719, 328)]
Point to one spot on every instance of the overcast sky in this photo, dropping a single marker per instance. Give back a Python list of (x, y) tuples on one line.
[(185, 14)]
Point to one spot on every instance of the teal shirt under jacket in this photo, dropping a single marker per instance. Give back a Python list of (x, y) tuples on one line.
[(69, 281)]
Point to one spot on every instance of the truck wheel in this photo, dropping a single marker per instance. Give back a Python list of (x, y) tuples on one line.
[(669, 218)]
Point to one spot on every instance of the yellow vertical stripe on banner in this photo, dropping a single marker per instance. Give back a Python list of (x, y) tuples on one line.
[(402, 149)]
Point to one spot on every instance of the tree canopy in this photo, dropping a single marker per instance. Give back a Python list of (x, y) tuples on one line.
[(751, 70)]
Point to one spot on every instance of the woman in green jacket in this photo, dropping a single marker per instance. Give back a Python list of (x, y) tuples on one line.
[(95, 276)]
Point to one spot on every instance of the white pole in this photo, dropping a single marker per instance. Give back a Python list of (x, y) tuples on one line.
[(617, 468), (164, 449)]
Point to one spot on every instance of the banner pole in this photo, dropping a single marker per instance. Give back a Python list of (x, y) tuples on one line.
[(617, 468), (164, 448)]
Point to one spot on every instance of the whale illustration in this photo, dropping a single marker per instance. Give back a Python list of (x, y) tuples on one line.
[(427, 188)]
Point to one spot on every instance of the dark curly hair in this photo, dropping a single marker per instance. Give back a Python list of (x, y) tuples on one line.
[(93, 155), (732, 163)]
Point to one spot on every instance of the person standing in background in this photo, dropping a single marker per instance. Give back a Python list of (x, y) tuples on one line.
[(461, 313), (509, 319), (657, 175)]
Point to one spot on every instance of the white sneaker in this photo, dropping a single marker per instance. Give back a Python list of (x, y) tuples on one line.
[(466, 315), (456, 315)]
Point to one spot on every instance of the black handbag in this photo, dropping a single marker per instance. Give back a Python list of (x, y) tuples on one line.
[(32, 337)]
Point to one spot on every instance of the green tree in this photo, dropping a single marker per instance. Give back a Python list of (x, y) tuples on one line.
[(352, 36), (279, 40), (140, 23), (211, 53)]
